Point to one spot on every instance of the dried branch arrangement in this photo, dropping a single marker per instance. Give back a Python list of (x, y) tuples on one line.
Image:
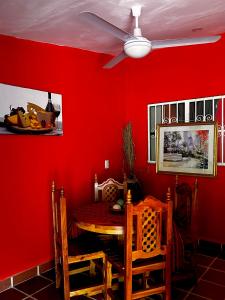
[(128, 147)]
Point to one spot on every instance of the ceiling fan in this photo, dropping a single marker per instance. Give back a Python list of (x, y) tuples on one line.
[(135, 45)]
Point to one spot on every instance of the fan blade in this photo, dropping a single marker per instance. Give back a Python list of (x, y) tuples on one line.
[(106, 26), (184, 42), (115, 60)]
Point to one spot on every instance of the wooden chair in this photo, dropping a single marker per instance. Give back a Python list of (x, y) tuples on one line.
[(147, 248), (75, 256), (185, 219), (110, 190)]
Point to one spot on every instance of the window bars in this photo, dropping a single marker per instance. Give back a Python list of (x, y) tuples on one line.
[(192, 110)]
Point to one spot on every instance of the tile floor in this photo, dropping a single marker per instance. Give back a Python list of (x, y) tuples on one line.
[(210, 285), (211, 281)]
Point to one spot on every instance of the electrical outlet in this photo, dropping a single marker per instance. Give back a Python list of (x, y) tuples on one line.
[(106, 164)]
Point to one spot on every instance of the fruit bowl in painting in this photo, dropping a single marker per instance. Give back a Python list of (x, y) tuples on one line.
[(28, 130)]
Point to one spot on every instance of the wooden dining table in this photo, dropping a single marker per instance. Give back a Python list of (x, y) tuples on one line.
[(100, 218)]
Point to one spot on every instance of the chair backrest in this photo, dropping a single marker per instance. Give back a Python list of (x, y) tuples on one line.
[(148, 228), (60, 231), (148, 233), (110, 190), (185, 205)]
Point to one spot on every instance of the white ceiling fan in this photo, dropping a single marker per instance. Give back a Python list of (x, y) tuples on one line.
[(135, 45)]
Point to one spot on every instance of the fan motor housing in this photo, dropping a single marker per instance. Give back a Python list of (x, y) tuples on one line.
[(137, 47)]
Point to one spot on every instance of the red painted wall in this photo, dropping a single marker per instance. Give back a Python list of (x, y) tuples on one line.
[(177, 74), (92, 114), (96, 105)]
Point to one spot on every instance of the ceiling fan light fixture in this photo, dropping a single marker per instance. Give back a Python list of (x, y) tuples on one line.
[(135, 45), (137, 48)]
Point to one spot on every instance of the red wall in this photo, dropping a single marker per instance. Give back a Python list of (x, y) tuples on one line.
[(177, 74), (92, 118), (96, 104)]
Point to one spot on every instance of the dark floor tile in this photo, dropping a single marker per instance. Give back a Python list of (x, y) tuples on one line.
[(209, 290), (209, 248), (184, 280), (33, 285), (218, 264), (49, 292), (12, 294), (195, 297), (178, 294), (204, 260), (49, 274), (215, 276), (185, 285), (200, 270)]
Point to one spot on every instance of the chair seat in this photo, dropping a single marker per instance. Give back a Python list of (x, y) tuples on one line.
[(84, 244), (154, 263), (138, 266)]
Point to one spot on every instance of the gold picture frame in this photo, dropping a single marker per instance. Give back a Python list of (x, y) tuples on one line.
[(187, 148)]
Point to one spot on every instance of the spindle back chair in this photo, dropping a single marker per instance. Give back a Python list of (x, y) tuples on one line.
[(185, 212), (110, 190), (73, 257)]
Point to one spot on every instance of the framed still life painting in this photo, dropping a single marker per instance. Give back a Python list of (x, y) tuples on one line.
[(30, 112)]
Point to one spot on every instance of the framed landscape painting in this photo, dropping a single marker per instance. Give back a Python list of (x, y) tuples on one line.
[(187, 148)]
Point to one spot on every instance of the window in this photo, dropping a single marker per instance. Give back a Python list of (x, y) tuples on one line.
[(193, 110)]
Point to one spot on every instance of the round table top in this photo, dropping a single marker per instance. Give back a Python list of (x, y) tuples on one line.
[(98, 217)]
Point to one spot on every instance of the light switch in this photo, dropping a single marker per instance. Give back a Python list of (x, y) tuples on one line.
[(106, 164)]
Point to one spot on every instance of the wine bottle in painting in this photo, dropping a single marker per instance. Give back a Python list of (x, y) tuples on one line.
[(50, 108)]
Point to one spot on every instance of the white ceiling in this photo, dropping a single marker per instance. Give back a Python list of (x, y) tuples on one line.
[(57, 21)]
